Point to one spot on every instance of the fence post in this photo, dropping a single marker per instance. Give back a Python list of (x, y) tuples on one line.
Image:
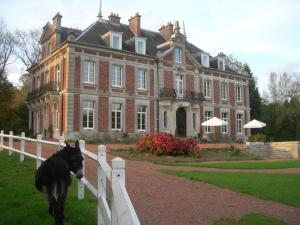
[(61, 143), (10, 142), (22, 149), (80, 183), (38, 151), (1, 140), (117, 175), (101, 187)]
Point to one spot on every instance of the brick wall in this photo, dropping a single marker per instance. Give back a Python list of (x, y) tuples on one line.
[(104, 75), (77, 72), (232, 122), (130, 116), (189, 82), (151, 82), (231, 94), (52, 73), (130, 79), (49, 116), (103, 122), (76, 119), (216, 90), (152, 120), (168, 79)]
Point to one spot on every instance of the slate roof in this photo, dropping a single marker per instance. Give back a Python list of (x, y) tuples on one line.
[(92, 36)]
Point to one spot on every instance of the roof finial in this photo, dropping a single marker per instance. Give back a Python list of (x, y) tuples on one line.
[(177, 27), (100, 10), (183, 28)]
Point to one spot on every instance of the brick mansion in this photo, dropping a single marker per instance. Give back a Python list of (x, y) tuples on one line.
[(115, 79)]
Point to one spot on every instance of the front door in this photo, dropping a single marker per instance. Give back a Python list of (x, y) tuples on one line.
[(181, 122)]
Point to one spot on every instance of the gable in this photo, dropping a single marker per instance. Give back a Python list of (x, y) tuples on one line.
[(47, 33)]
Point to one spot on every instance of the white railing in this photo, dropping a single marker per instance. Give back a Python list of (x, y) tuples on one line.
[(121, 211)]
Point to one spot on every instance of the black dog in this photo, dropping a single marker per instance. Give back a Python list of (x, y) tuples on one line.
[(54, 174)]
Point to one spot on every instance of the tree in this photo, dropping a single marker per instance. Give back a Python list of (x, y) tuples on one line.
[(7, 44), (28, 49), (234, 64)]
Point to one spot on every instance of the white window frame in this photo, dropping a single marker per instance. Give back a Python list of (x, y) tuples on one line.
[(221, 64), (205, 60), (57, 73), (88, 75), (238, 92), (207, 88), (239, 123), (178, 55), (207, 129), (48, 46), (194, 121), (89, 107), (142, 118), (38, 82), (225, 118), (137, 41), (117, 78), (141, 79), (119, 35), (116, 108), (46, 117), (179, 85), (224, 91)]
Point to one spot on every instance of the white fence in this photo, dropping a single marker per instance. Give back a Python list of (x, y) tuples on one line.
[(121, 211)]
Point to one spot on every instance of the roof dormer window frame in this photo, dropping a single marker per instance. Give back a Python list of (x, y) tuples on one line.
[(116, 34), (178, 58), (205, 63), (136, 43), (221, 64)]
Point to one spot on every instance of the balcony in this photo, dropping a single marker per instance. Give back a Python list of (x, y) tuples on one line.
[(170, 93), (52, 86)]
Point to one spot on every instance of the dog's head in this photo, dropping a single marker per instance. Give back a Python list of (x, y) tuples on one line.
[(75, 159)]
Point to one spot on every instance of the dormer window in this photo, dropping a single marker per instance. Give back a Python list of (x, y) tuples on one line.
[(48, 48), (221, 64), (205, 60), (178, 55), (116, 41), (140, 45)]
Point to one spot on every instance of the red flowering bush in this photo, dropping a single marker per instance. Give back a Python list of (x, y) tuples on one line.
[(166, 144)]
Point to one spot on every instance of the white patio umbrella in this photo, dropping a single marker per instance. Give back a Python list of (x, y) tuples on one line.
[(214, 122), (254, 124)]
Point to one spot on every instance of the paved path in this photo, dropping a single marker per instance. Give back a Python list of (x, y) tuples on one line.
[(162, 199)]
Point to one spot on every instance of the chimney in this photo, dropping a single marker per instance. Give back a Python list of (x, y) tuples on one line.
[(221, 54), (57, 20), (114, 19), (135, 24), (166, 31)]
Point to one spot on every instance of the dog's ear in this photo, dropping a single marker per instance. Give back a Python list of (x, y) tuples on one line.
[(77, 144), (67, 144)]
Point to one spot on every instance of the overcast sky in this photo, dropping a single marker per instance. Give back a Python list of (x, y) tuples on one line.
[(263, 33)]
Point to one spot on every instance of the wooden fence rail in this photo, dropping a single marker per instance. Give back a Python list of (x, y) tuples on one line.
[(121, 211)]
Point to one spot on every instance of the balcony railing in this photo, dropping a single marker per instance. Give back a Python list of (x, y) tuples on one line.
[(170, 93), (52, 86)]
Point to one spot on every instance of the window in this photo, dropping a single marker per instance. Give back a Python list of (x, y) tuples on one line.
[(207, 89), (56, 116), (221, 64), (46, 117), (89, 72), (238, 93), (46, 77), (38, 82), (165, 119), (116, 79), (140, 46), (194, 121), (141, 79), (178, 55), (224, 117), (239, 122), (205, 60), (48, 48), (223, 91), (88, 115), (141, 118), (116, 116), (116, 41), (179, 86), (208, 115), (57, 73)]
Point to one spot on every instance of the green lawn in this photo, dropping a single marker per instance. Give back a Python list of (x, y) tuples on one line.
[(244, 165), (251, 219), (282, 188), (21, 204)]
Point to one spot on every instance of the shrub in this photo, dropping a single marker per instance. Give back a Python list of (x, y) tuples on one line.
[(257, 138), (165, 144)]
